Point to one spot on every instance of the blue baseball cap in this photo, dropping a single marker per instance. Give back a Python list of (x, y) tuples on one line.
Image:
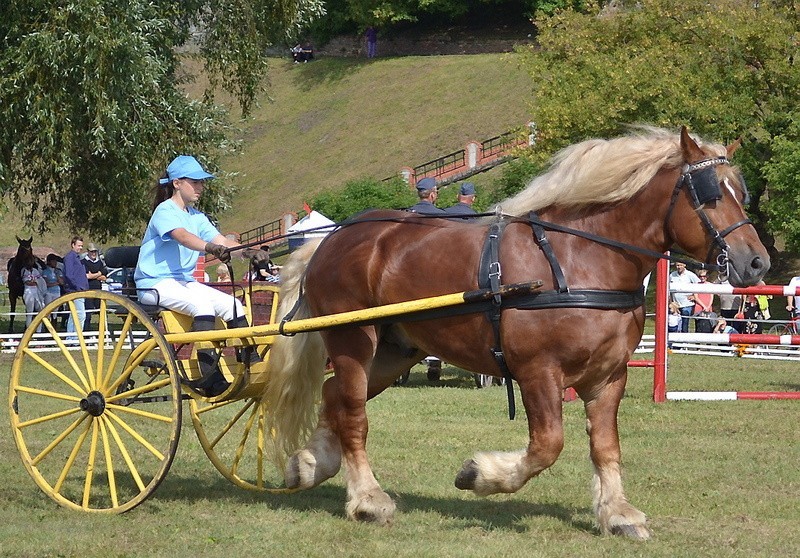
[(426, 184), (185, 166), (468, 189)]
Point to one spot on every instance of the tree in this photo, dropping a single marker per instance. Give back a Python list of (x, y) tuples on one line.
[(92, 104), (725, 71)]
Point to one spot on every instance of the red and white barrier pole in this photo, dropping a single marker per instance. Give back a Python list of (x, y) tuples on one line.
[(660, 393)]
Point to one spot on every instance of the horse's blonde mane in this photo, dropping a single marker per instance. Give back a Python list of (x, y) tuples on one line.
[(599, 171)]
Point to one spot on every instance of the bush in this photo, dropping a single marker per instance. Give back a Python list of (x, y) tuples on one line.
[(365, 193)]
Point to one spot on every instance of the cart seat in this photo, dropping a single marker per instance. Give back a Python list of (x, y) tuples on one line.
[(126, 257)]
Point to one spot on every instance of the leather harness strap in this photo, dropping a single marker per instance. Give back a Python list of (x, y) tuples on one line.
[(489, 276)]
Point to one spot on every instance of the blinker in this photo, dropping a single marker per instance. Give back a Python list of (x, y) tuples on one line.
[(704, 185)]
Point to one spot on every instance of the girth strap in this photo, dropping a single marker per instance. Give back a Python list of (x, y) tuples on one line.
[(547, 249), (490, 276)]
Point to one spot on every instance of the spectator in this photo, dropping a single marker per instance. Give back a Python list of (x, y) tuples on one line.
[(753, 315), (33, 295), (53, 278), (466, 197), (172, 242), (266, 270), (674, 318), (223, 275), (723, 327), (371, 36), (729, 306), (96, 273), (75, 280), (685, 301), (302, 53), (704, 307), (790, 300), (427, 192)]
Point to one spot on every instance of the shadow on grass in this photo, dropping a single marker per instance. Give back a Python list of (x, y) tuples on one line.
[(330, 499), (330, 70)]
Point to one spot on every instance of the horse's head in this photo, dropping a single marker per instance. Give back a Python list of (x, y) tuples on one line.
[(25, 245), (707, 217)]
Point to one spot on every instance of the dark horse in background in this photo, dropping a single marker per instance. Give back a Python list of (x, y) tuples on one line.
[(643, 193), (16, 288)]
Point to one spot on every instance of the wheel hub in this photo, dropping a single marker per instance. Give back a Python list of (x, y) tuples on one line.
[(94, 403)]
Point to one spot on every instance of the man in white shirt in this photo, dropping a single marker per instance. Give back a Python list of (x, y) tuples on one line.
[(790, 306), (685, 301)]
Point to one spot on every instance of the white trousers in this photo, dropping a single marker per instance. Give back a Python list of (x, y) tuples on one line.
[(193, 299)]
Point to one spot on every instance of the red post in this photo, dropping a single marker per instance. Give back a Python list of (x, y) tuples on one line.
[(660, 356)]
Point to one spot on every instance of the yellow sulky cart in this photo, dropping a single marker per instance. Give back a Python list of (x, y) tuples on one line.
[(96, 415)]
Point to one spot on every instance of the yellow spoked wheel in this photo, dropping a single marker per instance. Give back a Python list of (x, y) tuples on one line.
[(96, 415), (234, 436)]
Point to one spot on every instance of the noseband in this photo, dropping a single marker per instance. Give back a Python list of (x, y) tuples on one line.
[(702, 184)]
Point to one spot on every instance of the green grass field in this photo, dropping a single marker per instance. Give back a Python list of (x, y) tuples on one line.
[(716, 479)]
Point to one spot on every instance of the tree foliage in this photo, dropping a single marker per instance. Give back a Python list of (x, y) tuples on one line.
[(725, 70), (362, 194), (92, 104), (346, 16)]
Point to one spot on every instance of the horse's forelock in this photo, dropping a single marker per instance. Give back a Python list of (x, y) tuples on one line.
[(600, 171)]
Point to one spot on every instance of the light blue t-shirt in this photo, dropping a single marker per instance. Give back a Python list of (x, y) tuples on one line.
[(161, 257)]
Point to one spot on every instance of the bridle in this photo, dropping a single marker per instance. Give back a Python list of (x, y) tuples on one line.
[(702, 184)]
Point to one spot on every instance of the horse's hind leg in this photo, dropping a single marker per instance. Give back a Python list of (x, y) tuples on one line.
[(352, 354), (342, 430), (614, 514)]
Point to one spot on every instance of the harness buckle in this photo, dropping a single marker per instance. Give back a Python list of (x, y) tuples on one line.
[(494, 270)]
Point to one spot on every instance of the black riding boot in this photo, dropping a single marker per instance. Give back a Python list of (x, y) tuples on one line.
[(212, 382), (247, 355)]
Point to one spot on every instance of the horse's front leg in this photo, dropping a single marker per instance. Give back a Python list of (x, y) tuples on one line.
[(614, 514), (506, 472)]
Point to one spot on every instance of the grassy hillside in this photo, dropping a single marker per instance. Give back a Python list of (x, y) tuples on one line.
[(334, 119)]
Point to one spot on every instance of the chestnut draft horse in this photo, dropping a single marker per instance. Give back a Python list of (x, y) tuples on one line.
[(644, 193)]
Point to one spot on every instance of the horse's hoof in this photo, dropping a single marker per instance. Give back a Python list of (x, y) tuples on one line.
[(635, 532), (374, 508), (465, 480)]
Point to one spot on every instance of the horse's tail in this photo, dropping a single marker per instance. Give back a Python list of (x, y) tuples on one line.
[(296, 368)]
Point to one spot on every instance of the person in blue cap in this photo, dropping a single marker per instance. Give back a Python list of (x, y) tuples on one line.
[(466, 197), (175, 236), (427, 192)]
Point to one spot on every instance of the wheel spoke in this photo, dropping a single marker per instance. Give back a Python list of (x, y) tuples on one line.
[(231, 423), (147, 388), (243, 441), (260, 449), (138, 412), (133, 363), (55, 372), (112, 482), (51, 416), (101, 344), (125, 455), (123, 334), (87, 485), (60, 438), (73, 454), (135, 435), (45, 393)]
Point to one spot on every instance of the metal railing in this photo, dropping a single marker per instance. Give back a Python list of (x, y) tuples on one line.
[(443, 165), (501, 145)]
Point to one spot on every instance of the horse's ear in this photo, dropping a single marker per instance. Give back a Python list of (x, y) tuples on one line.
[(19, 240), (731, 149), (691, 151)]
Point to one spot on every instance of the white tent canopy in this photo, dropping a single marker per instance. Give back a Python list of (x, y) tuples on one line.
[(313, 225)]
